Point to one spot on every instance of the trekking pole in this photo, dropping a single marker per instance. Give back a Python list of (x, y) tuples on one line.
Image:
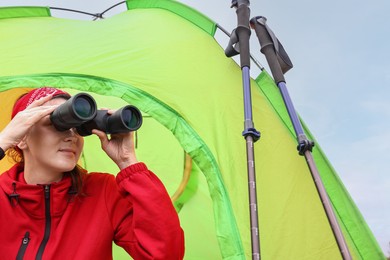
[(279, 63), (239, 44)]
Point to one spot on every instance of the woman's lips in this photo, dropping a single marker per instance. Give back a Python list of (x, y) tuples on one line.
[(68, 151)]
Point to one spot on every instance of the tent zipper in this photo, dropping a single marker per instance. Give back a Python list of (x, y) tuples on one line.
[(23, 246), (47, 223)]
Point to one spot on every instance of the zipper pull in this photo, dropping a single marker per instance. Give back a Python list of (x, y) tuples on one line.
[(14, 197), (47, 191), (23, 246), (26, 238)]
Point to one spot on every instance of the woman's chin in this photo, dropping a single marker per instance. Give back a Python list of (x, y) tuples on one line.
[(65, 167)]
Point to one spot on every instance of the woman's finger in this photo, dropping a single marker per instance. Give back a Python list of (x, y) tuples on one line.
[(35, 114), (102, 136), (40, 101), (109, 111)]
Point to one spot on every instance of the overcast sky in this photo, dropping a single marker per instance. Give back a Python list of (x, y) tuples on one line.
[(339, 84)]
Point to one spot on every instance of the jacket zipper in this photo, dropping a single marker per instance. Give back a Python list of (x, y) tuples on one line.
[(47, 223), (23, 246)]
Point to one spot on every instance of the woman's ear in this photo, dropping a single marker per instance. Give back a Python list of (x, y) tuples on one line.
[(22, 144)]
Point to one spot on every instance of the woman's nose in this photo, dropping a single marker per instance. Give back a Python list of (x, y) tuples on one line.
[(71, 133)]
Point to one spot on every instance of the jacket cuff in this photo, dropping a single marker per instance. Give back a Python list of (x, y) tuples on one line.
[(2, 153), (130, 170)]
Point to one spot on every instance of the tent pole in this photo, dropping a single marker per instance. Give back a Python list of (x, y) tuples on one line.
[(240, 37), (267, 42)]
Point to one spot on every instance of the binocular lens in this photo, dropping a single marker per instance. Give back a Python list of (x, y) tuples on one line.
[(126, 119), (131, 118), (83, 107)]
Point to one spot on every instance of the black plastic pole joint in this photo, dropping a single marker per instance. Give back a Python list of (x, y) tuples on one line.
[(305, 145), (99, 15), (251, 132)]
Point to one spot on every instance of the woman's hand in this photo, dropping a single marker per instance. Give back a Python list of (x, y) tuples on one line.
[(119, 147), (19, 126)]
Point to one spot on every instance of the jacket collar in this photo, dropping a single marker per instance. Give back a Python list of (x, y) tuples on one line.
[(31, 198)]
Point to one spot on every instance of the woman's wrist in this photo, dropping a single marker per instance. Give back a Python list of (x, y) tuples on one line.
[(4, 144), (126, 163)]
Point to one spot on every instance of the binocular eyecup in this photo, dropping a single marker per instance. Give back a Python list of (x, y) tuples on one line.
[(80, 112), (75, 111)]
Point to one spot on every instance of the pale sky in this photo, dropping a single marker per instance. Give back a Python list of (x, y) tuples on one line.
[(339, 84)]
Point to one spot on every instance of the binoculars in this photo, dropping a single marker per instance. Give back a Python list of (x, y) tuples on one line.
[(80, 112)]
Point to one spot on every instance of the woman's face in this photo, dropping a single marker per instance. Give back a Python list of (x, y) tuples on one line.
[(49, 149)]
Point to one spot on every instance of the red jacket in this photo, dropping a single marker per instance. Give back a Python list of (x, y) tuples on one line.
[(137, 216)]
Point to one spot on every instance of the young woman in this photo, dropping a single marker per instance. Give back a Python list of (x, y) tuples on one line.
[(50, 208)]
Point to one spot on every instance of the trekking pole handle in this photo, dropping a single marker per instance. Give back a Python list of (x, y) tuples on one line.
[(243, 31), (267, 47)]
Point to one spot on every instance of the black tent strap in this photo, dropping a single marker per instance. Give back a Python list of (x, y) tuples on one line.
[(96, 16), (115, 5), (72, 10)]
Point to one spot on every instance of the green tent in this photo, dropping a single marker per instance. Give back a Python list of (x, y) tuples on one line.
[(161, 56)]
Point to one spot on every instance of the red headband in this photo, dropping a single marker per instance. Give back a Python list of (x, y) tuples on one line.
[(36, 94)]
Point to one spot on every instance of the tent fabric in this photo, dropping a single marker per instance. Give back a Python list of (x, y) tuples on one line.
[(161, 57), (184, 11), (21, 11)]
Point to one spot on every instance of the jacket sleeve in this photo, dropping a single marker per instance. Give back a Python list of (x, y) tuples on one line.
[(146, 225)]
